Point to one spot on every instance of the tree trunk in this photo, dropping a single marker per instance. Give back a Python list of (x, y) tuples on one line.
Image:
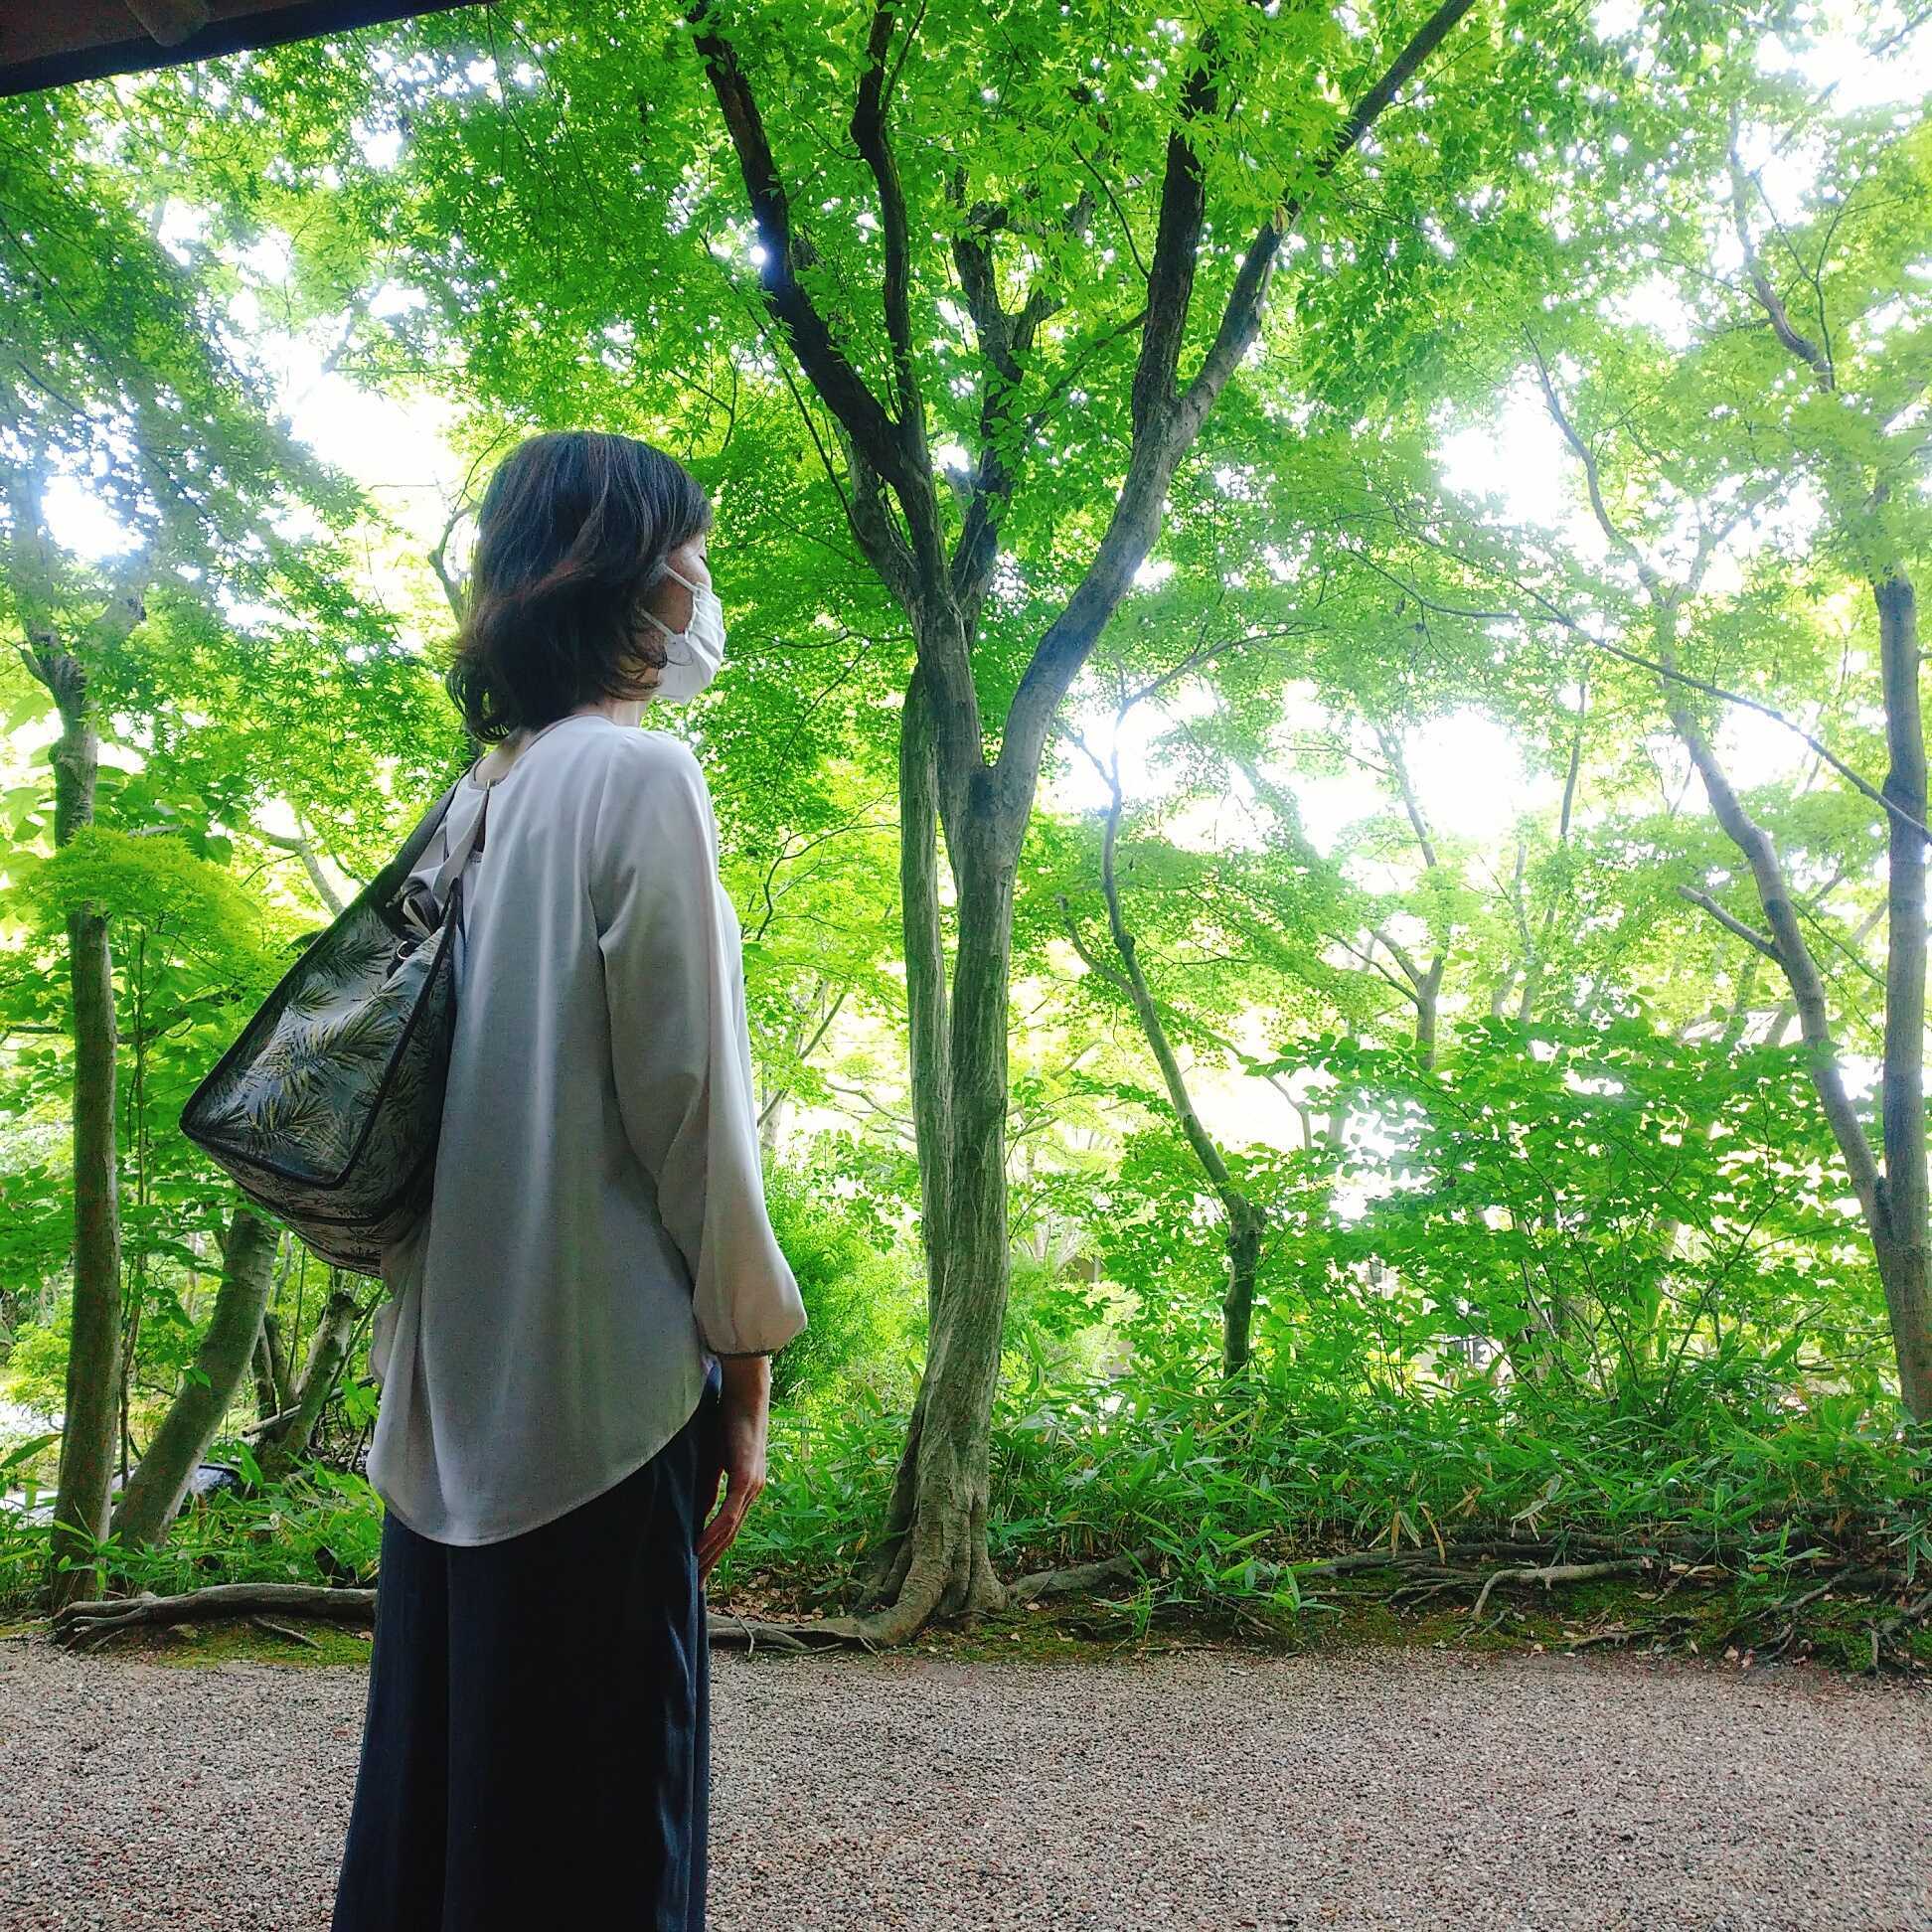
[(264, 1379), (1894, 1201), (936, 1529), (771, 1124), (1536, 958), (936, 1560), (1244, 1232), (328, 1351), (271, 1368), (1901, 1247), (930, 1082), (1428, 1005), (925, 947), (1246, 1225), (154, 1493), (93, 1355), (1425, 982)]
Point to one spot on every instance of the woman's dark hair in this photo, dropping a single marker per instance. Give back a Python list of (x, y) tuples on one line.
[(573, 534)]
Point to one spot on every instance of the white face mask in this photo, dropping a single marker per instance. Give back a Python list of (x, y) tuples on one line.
[(692, 655)]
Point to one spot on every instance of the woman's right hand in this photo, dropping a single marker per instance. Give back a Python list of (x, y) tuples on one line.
[(739, 1453)]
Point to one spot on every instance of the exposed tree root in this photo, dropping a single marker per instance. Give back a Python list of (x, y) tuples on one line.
[(1549, 1575), (287, 1630), (1616, 1633), (1891, 1635), (902, 1619), (1412, 1594), (81, 1626), (1792, 1605), (752, 1634), (935, 1580), (1081, 1579)]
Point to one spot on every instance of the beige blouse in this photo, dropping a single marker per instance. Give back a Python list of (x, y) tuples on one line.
[(598, 1228)]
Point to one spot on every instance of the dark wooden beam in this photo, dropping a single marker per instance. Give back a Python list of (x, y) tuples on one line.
[(53, 46)]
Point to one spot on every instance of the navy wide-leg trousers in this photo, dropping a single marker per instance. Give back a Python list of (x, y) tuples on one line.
[(537, 1748)]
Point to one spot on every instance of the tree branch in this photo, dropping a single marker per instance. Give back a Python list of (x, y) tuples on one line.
[(1391, 749), (1750, 935), (1177, 245), (1132, 980), (1795, 958), (831, 372), (868, 130), (1613, 532), (304, 849), (1164, 426), (1807, 351), (1241, 318), (1669, 673), (1003, 340)]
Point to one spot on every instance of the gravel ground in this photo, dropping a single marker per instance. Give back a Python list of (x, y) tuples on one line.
[(1202, 1789)]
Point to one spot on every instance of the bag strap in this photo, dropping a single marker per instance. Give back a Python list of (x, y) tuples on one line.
[(389, 880), (476, 846), (455, 857)]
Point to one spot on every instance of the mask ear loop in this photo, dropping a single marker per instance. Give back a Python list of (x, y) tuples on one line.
[(674, 637)]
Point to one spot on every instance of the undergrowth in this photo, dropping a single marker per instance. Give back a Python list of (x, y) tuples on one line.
[(1231, 1492), (1233, 1502), (318, 1525)]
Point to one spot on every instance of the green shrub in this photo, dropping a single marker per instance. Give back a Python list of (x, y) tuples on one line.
[(860, 1300), (35, 1375)]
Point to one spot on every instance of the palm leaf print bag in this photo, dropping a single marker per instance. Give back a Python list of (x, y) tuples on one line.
[(328, 1109)]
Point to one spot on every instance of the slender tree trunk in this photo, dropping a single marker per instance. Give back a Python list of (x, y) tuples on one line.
[(1536, 958), (134, 1293), (80, 1508), (271, 1368), (1739, 1016), (930, 1082), (777, 1102), (1245, 1224), (1425, 982), (264, 1379), (1245, 1228), (328, 1351), (1893, 1200), (935, 1557), (1901, 1249), (1428, 1005), (154, 1493), (93, 1394)]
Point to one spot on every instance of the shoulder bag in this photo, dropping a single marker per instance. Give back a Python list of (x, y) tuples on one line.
[(326, 1110)]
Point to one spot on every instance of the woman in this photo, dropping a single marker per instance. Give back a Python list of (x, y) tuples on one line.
[(578, 1339)]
